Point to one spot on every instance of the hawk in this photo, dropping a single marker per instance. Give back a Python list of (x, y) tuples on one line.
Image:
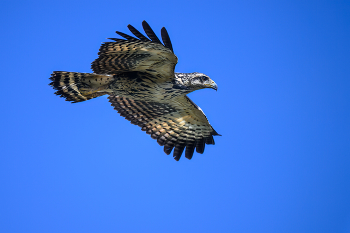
[(138, 75)]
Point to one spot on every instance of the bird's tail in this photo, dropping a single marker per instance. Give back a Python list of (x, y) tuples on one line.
[(78, 87)]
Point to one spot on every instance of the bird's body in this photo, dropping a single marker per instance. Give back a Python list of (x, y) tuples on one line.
[(138, 75)]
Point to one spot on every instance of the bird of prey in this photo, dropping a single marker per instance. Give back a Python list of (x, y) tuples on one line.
[(138, 75)]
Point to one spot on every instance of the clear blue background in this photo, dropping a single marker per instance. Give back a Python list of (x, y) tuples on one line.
[(282, 164)]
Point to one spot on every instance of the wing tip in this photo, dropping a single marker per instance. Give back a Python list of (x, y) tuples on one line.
[(168, 149), (150, 33), (166, 39), (214, 133), (179, 149)]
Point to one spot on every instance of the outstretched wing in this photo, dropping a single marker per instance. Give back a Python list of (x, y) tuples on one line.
[(180, 124), (137, 54)]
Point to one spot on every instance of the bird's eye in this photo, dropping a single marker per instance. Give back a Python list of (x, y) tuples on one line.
[(204, 78)]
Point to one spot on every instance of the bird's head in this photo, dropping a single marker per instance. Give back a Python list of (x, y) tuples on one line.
[(194, 81)]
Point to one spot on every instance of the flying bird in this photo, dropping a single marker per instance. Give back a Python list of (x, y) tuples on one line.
[(138, 74)]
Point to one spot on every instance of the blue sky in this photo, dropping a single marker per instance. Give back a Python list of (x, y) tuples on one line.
[(282, 164)]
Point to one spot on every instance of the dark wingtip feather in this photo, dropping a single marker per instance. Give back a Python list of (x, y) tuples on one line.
[(178, 152), (137, 33), (189, 151), (116, 39), (200, 146), (168, 149), (150, 33), (166, 39), (161, 142), (210, 140), (126, 36), (214, 133)]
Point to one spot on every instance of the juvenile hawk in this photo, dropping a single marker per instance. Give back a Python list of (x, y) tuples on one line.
[(138, 75)]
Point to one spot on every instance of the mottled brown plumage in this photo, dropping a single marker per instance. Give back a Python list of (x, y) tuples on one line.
[(138, 75)]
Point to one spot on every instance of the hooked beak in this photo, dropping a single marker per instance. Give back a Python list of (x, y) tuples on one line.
[(213, 85)]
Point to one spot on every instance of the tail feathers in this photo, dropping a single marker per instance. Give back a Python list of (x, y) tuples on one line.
[(78, 87)]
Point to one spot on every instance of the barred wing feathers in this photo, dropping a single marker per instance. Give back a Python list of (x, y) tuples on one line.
[(180, 124), (137, 54)]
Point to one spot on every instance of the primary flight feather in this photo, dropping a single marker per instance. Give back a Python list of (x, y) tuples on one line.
[(138, 75)]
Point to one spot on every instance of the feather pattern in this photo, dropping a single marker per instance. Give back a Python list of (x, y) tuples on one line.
[(150, 33), (172, 125), (78, 87), (126, 36), (138, 75), (137, 33), (166, 39), (133, 54)]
